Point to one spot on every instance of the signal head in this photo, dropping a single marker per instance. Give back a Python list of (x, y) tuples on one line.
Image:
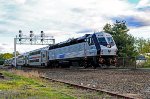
[(20, 31)]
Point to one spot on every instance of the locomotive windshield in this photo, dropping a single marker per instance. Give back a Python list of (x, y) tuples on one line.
[(110, 40), (102, 41)]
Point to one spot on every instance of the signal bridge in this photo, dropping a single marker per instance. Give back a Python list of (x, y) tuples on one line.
[(32, 39)]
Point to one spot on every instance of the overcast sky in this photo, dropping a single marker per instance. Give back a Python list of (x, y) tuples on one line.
[(64, 19)]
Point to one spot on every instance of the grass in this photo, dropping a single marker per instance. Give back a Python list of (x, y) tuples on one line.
[(19, 84), (21, 87)]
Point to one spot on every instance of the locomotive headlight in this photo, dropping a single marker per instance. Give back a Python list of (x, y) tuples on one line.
[(109, 46)]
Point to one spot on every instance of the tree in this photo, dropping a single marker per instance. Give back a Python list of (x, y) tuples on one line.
[(143, 45), (140, 43), (7, 55), (17, 53), (124, 41), (146, 47)]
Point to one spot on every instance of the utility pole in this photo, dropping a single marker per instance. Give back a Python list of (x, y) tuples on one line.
[(32, 39)]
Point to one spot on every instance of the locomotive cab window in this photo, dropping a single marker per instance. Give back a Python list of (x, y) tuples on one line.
[(102, 41), (110, 40), (90, 41)]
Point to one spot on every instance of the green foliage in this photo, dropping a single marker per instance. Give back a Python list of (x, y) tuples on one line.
[(5, 56), (1, 61), (147, 63), (143, 45), (124, 41), (17, 53), (23, 88)]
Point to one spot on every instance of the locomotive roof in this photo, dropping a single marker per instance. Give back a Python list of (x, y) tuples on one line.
[(76, 40), (69, 42)]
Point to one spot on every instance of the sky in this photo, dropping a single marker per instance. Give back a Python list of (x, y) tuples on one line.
[(65, 19)]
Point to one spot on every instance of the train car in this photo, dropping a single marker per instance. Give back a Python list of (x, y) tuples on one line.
[(6, 62), (20, 60), (38, 58), (95, 49), (9, 62)]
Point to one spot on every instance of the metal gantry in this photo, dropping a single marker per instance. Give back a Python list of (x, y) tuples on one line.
[(32, 39)]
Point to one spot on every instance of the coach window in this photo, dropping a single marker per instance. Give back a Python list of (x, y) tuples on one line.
[(43, 55)]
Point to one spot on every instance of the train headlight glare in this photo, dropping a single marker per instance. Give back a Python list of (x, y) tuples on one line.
[(109, 46)]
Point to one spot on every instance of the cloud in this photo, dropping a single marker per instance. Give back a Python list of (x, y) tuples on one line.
[(4, 48), (9, 48), (147, 8), (1, 49), (141, 32), (20, 1), (77, 10), (143, 3), (85, 30), (132, 21), (64, 15), (64, 19)]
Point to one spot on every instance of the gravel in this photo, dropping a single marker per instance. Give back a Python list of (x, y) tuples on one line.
[(135, 83)]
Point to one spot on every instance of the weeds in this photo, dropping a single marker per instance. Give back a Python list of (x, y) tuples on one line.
[(21, 84)]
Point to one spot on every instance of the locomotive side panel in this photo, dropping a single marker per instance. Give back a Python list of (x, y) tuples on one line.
[(72, 51)]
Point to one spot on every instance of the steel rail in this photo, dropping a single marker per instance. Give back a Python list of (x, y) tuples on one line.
[(89, 88)]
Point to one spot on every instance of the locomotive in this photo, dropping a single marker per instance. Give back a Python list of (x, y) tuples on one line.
[(91, 50)]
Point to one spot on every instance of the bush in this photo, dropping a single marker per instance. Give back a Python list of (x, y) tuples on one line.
[(147, 63), (1, 62)]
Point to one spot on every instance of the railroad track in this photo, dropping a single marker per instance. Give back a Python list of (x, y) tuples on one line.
[(89, 88)]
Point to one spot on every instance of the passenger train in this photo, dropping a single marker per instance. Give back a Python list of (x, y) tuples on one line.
[(90, 50)]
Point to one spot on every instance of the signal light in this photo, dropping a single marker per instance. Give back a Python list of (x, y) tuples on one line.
[(42, 33), (31, 33), (20, 31), (19, 35)]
